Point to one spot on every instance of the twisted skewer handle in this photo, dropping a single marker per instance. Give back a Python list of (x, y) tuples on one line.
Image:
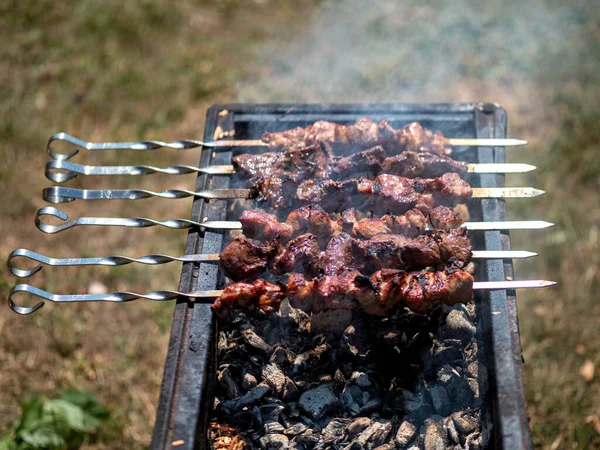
[(62, 170), (115, 297), (98, 261), (183, 144), (56, 194), (132, 222), (200, 296)]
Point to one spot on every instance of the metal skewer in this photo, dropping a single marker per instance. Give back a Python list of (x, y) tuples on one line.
[(59, 194), (113, 261), (201, 296), (60, 171), (186, 144), (142, 222)]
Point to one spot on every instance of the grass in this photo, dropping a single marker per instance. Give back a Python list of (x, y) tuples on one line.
[(121, 71)]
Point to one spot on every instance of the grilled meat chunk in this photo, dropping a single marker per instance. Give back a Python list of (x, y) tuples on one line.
[(266, 227), (313, 219), (420, 164), (443, 217), (378, 295), (386, 194), (364, 134), (261, 294), (303, 250), (243, 259), (368, 162), (314, 161)]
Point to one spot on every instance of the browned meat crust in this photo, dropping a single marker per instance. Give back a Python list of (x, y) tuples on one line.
[(243, 260), (387, 194), (313, 219), (420, 291), (362, 135)]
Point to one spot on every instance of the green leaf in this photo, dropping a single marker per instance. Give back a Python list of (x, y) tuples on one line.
[(94, 412), (44, 436), (8, 443), (71, 414)]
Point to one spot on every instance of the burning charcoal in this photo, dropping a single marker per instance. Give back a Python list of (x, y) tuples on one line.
[(256, 414), (274, 441), (295, 429), (227, 382), (334, 321), (456, 385), (353, 342), (339, 377), (274, 377), (370, 404), (252, 396), (405, 433), (282, 356), (451, 430), (361, 379), (352, 395), (271, 411), (458, 326), (273, 427), (440, 398), (248, 381), (465, 423), (476, 374), (375, 435), (318, 401), (307, 438), (414, 404), (435, 436), (305, 361), (446, 352), (255, 341), (335, 431), (385, 447), (359, 424)]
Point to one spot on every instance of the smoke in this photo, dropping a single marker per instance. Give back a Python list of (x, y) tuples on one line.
[(400, 51)]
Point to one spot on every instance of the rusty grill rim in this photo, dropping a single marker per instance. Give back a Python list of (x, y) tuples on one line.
[(188, 377)]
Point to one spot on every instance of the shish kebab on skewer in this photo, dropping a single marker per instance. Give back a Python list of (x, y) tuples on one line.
[(362, 135), (258, 293), (385, 193), (312, 219), (302, 163)]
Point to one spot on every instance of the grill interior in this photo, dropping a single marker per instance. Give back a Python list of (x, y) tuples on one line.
[(188, 385)]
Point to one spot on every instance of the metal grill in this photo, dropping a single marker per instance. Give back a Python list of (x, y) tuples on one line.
[(187, 390)]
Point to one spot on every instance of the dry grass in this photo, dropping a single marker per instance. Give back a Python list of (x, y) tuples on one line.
[(113, 70)]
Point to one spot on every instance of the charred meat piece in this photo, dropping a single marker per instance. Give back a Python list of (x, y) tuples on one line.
[(243, 259), (338, 256), (387, 194), (312, 219), (303, 250), (413, 137), (278, 191), (265, 227), (368, 162), (412, 223), (444, 217), (364, 134), (378, 295), (261, 294), (420, 164), (309, 162)]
